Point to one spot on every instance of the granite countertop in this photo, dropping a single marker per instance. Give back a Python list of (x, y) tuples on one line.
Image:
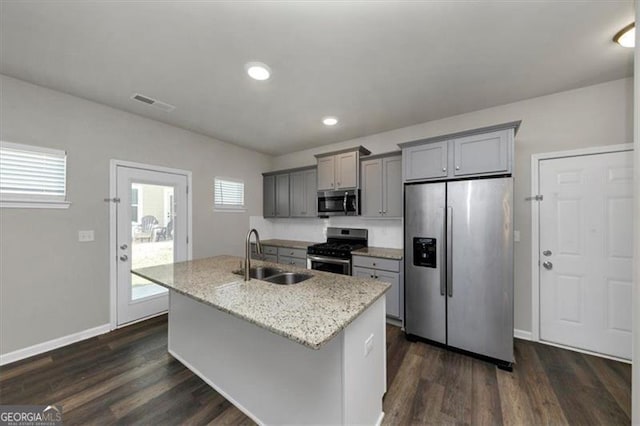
[(387, 253), (288, 243), (311, 312)]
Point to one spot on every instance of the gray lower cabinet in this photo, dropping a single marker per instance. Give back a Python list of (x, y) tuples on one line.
[(282, 255), (303, 193), (381, 181), (386, 270), (292, 256), (269, 253)]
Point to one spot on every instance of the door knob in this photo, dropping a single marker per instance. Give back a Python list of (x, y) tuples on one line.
[(547, 253), (124, 247), (124, 257), (548, 265)]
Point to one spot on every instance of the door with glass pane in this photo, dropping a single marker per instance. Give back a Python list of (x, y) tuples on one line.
[(151, 230)]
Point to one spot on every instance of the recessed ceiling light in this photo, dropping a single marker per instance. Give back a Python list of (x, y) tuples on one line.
[(258, 70), (626, 37), (330, 121)]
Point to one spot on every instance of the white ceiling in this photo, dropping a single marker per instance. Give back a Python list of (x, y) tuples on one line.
[(377, 66)]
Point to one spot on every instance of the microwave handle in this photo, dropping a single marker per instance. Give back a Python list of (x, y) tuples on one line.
[(344, 203)]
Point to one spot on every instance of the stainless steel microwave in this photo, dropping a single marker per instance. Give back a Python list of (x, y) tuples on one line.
[(339, 203)]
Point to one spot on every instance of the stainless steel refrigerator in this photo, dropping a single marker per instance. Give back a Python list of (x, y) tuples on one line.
[(459, 265)]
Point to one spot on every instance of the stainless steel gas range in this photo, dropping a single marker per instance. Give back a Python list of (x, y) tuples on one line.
[(335, 255)]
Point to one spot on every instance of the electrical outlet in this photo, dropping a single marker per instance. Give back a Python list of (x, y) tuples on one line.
[(368, 345), (516, 236), (86, 236)]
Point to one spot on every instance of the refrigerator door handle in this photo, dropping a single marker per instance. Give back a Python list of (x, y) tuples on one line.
[(443, 256), (450, 251)]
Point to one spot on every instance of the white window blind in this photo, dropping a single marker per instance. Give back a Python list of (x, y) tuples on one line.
[(31, 173), (228, 193)]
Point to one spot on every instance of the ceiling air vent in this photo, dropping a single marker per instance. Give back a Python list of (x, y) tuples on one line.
[(153, 102)]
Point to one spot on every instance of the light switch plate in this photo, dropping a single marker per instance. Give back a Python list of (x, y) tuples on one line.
[(368, 345), (516, 236), (86, 236)]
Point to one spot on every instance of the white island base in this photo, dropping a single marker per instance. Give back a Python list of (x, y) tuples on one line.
[(275, 380)]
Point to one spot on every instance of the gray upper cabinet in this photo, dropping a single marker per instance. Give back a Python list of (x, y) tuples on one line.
[(371, 187), (479, 152), (290, 193), (282, 195), (269, 196), (326, 173), (426, 161), (392, 186), (346, 170), (382, 187), (303, 193), (487, 153), (339, 170)]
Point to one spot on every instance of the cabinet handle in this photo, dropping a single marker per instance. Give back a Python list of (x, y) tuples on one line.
[(374, 263), (457, 167), (376, 277), (384, 212), (291, 253), (379, 211), (338, 183), (371, 275), (444, 169)]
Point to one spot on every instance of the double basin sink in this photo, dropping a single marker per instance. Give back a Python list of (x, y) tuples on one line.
[(275, 275)]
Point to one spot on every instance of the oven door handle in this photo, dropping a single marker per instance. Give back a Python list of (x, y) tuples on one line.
[(329, 260)]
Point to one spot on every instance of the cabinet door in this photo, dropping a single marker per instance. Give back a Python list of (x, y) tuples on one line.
[(347, 170), (326, 173), (269, 196), (371, 187), (427, 161), (362, 272), (298, 194), (393, 295), (482, 154), (282, 195), (311, 193), (392, 186)]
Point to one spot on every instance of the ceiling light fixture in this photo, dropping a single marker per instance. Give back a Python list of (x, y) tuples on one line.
[(329, 121), (258, 71), (626, 37)]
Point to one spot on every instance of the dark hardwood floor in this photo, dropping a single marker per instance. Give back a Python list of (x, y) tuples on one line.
[(127, 377)]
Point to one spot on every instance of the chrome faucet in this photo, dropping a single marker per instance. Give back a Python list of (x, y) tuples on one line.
[(247, 253)]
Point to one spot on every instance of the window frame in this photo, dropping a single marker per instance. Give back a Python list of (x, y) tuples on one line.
[(226, 207), (45, 201)]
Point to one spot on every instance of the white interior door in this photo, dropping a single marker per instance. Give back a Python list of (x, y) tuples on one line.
[(586, 252), (152, 228)]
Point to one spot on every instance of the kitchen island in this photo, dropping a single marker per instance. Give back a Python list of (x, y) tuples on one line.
[(306, 353)]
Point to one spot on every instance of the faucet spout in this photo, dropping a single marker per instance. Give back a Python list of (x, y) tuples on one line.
[(247, 253)]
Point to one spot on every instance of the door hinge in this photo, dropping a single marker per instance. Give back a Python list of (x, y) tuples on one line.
[(187, 189), (534, 198), (112, 200)]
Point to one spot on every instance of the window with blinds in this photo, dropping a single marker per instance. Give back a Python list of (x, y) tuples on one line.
[(32, 174), (228, 193)]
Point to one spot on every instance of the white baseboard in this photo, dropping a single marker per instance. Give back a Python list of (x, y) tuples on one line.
[(53, 344), (522, 334)]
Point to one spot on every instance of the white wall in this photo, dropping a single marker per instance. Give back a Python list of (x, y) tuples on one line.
[(591, 116), (50, 284)]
